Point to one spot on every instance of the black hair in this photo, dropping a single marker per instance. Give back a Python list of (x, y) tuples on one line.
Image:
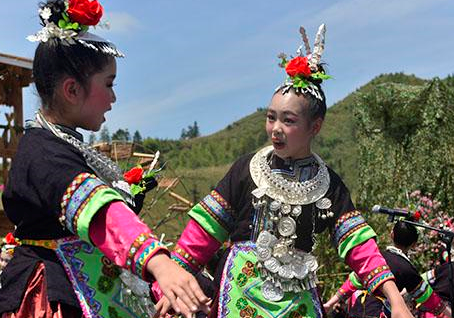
[(56, 59), (316, 107), (405, 234)]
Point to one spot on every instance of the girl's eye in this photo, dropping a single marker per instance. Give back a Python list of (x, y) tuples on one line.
[(289, 121), (270, 117)]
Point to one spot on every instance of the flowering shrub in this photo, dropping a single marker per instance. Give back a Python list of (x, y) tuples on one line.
[(429, 251)]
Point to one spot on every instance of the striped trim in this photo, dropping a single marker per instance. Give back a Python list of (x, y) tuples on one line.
[(377, 277), (186, 257), (422, 292), (351, 230), (219, 209), (206, 220), (135, 247), (349, 223), (140, 266), (182, 263), (342, 294)]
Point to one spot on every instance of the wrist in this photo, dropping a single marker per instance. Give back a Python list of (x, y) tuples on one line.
[(157, 263)]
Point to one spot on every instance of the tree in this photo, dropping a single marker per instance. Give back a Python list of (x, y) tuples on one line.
[(104, 134), (405, 138), (91, 138), (191, 132), (137, 138), (121, 135)]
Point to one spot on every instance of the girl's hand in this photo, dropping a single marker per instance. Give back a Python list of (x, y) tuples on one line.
[(163, 306), (178, 286), (330, 304)]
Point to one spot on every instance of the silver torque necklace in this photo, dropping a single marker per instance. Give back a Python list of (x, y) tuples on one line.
[(103, 167), (280, 189)]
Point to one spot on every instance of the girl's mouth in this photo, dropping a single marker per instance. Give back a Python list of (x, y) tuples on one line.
[(277, 144)]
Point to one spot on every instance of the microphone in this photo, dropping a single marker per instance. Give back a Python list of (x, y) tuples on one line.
[(392, 212)]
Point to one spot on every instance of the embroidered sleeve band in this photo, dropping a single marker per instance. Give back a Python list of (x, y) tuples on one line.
[(377, 277), (346, 290), (351, 229), (213, 214), (83, 198)]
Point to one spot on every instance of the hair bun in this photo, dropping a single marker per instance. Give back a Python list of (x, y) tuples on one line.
[(57, 8)]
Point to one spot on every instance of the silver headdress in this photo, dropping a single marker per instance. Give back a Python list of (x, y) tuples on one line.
[(304, 70)]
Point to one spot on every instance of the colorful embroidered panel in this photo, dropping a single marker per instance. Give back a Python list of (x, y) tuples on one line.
[(213, 213), (96, 282), (377, 277), (241, 296), (146, 255), (351, 229), (83, 198), (180, 255)]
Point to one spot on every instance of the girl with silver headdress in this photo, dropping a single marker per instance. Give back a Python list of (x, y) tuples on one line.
[(272, 204), (83, 251)]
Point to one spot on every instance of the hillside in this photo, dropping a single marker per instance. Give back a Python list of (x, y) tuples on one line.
[(201, 162)]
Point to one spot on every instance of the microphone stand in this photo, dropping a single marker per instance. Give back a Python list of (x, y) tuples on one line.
[(447, 237)]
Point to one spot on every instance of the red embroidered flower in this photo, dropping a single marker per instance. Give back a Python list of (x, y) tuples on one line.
[(85, 12), (133, 176), (298, 66)]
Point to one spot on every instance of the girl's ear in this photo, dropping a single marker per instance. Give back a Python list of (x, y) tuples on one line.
[(316, 126), (72, 90)]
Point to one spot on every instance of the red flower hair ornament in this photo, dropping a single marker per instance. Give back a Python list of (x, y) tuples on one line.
[(69, 21), (302, 70)]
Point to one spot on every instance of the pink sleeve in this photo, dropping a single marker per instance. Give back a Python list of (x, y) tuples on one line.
[(195, 247), (368, 263), (193, 250), (120, 235), (346, 290)]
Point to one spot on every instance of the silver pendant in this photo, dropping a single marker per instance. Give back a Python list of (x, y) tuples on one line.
[(287, 226), (297, 210), (272, 265), (323, 204), (275, 205), (280, 249), (271, 292), (286, 209), (286, 272), (300, 270), (263, 253), (266, 239), (259, 192)]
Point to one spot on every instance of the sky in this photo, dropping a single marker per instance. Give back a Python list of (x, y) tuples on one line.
[(215, 62)]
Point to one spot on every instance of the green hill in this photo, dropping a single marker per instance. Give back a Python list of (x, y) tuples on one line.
[(201, 162)]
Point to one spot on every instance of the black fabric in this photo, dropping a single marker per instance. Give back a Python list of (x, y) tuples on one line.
[(406, 276), (41, 171), (236, 188), (441, 284), (237, 185)]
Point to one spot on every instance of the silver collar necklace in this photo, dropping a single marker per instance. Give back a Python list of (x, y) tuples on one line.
[(103, 167)]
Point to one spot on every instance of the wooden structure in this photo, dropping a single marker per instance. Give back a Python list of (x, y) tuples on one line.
[(15, 74)]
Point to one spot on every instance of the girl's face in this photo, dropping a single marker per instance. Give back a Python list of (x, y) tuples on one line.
[(98, 99), (289, 127)]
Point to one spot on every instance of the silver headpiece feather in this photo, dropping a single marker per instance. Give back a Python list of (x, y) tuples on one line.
[(319, 47)]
